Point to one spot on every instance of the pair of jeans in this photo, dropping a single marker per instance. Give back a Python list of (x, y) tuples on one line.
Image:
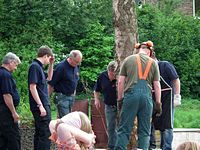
[(167, 136), (9, 131), (64, 104), (166, 139), (111, 122), (42, 132), (137, 102)]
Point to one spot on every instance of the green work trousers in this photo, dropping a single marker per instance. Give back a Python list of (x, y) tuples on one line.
[(137, 102)]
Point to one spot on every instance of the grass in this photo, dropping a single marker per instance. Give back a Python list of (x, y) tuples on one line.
[(187, 115)]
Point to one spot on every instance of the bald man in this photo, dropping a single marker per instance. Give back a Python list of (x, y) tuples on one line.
[(64, 82)]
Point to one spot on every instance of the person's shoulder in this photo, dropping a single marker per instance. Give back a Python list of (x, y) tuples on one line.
[(103, 74), (164, 62), (131, 56), (34, 65), (129, 59), (4, 73), (61, 64)]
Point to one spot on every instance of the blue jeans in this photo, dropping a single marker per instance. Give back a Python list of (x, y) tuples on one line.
[(111, 122), (166, 139), (167, 136), (137, 102), (64, 104)]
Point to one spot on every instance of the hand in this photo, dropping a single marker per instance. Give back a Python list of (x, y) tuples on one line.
[(42, 111), (15, 117), (52, 60), (158, 109), (177, 100), (92, 138), (97, 104)]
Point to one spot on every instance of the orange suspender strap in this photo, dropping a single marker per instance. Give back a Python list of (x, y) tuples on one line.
[(139, 65), (147, 69)]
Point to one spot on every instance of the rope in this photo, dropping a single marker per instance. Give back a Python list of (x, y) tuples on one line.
[(104, 126)]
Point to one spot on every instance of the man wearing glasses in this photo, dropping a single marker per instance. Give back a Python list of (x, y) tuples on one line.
[(9, 100), (64, 82), (106, 84)]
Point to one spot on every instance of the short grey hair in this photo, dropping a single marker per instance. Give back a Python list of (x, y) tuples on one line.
[(10, 57), (75, 53), (111, 66)]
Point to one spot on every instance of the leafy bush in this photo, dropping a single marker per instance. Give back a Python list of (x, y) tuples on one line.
[(176, 39), (97, 49)]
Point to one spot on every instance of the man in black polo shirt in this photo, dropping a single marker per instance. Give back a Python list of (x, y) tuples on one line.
[(9, 100), (64, 82), (38, 96), (106, 83), (170, 98)]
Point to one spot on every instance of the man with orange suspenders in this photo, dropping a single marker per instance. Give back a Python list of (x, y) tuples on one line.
[(138, 74)]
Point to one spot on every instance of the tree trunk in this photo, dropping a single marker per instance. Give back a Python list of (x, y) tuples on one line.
[(125, 23)]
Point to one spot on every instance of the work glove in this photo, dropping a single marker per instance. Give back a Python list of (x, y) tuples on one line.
[(158, 109), (177, 100)]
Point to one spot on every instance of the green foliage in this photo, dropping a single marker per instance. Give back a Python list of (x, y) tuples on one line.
[(186, 115), (72, 17), (176, 39), (97, 49)]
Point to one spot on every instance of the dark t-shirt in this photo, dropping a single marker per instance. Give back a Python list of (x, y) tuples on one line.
[(36, 75), (107, 87), (8, 86), (168, 72), (65, 78)]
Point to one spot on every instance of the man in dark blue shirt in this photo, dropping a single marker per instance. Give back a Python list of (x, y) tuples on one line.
[(9, 100), (170, 98), (64, 82), (38, 96), (106, 84)]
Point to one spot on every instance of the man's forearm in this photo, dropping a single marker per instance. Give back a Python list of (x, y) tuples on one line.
[(50, 72), (35, 94), (9, 103), (157, 88), (96, 95), (121, 87), (177, 86)]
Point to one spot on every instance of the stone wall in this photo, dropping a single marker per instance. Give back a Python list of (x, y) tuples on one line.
[(186, 7)]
